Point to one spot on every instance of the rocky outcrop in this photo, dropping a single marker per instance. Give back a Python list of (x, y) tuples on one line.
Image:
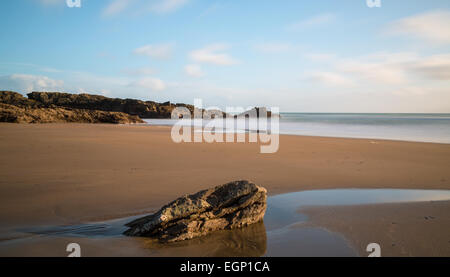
[(50, 107), (17, 99), (17, 114), (88, 102), (232, 205), (143, 109)]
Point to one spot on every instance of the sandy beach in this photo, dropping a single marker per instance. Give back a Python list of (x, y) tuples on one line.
[(63, 173), (70, 173)]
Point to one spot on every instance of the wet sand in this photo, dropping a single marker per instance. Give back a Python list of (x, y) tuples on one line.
[(249, 241), (70, 173), (401, 229)]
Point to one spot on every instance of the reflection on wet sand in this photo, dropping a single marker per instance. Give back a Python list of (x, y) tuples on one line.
[(306, 241), (108, 241), (249, 241)]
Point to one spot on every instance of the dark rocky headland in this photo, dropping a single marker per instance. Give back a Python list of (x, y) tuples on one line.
[(56, 107), (53, 107)]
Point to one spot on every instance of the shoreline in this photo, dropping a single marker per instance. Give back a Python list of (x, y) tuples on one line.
[(306, 135), (76, 172), (281, 134)]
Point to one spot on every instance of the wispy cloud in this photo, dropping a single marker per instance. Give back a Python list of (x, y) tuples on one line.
[(330, 79), (167, 6), (194, 70), (27, 66), (273, 47), (211, 9), (431, 27), (28, 83), (397, 68), (150, 83), (52, 2), (317, 20), (395, 71), (320, 57), (142, 71), (213, 54), (157, 51), (116, 7), (385, 69), (436, 67)]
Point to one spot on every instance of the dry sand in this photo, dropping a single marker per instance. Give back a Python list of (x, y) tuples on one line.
[(67, 173)]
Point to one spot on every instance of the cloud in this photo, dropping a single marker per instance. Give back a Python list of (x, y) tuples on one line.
[(317, 20), (403, 73), (167, 6), (139, 71), (398, 68), (329, 79), (211, 9), (28, 83), (273, 47), (320, 57), (117, 6), (137, 85), (212, 54), (432, 27), (26, 66), (382, 72), (194, 70), (52, 2), (157, 51), (378, 68), (436, 67), (412, 90), (149, 83)]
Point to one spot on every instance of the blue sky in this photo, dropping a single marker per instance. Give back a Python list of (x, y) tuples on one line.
[(305, 56)]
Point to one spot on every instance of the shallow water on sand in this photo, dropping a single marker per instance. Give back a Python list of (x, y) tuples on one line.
[(283, 233)]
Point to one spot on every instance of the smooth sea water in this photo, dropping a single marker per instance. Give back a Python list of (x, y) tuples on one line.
[(406, 127)]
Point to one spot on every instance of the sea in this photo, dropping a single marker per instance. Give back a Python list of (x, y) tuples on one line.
[(406, 127)]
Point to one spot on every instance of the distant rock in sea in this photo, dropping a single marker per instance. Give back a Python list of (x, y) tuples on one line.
[(229, 206), (257, 112)]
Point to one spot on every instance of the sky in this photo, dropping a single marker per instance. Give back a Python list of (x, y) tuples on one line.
[(299, 56)]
